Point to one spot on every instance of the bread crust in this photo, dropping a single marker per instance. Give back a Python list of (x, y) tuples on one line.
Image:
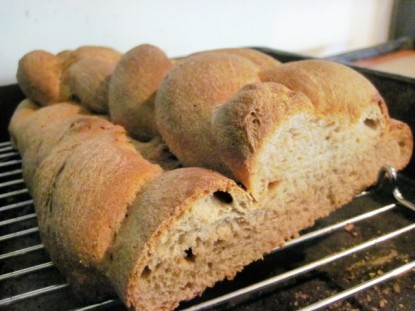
[(189, 94), (39, 73), (265, 62), (102, 53), (49, 79), (134, 84), (334, 89), (87, 82), (63, 151)]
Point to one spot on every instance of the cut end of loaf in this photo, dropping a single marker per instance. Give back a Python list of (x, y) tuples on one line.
[(280, 133), (209, 242), (218, 234), (309, 138)]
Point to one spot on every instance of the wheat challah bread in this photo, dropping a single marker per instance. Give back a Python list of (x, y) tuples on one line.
[(251, 126), (108, 216), (77, 220), (80, 75)]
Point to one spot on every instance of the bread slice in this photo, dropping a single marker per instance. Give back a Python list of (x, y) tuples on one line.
[(170, 245)]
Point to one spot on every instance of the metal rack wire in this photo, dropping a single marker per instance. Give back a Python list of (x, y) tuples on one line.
[(18, 222)]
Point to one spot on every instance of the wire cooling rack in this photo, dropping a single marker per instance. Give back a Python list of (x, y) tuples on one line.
[(361, 257)]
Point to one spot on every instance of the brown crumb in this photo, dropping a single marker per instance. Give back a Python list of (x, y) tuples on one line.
[(349, 227), (382, 303), (301, 295), (379, 272), (386, 291), (396, 288)]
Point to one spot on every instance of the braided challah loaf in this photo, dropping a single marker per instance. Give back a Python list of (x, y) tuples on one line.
[(267, 149), (81, 75), (251, 126)]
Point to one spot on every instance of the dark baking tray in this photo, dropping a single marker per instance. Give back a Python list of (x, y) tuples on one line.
[(400, 96), (404, 43)]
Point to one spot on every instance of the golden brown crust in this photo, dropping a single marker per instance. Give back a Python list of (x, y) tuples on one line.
[(87, 82), (38, 75), (78, 220), (334, 89), (190, 93), (265, 62), (101, 53), (21, 115), (42, 144), (134, 84), (398, 145), (37, 120), (96, 215)]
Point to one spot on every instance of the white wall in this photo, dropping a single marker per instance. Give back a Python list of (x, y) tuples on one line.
[(179, 27)]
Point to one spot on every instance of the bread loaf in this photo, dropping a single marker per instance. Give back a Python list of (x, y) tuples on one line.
[(252, 134), (81, 75), (251, 126)]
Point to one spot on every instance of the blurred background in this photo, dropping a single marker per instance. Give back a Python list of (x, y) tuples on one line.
[(179, 27)]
